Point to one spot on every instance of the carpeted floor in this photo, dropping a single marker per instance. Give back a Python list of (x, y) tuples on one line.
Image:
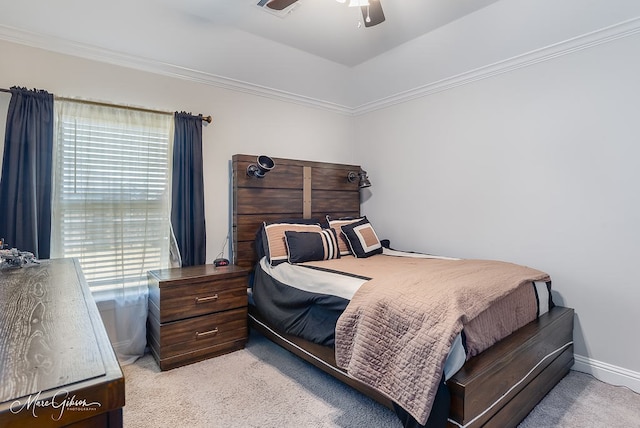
[(265, 386), (581, 401)]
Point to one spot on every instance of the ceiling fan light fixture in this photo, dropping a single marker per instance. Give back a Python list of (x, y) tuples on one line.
[(358, 3)]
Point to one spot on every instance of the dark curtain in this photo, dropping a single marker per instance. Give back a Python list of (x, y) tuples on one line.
[(25, 186), (187, 200)]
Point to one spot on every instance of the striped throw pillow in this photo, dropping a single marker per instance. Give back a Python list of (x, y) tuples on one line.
[(312, 246), (337, 224)]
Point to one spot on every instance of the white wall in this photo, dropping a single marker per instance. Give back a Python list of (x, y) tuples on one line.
[(242, 123), (537, 166)]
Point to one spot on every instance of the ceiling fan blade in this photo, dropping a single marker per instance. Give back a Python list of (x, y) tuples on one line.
[(372, 14), (280, 4)]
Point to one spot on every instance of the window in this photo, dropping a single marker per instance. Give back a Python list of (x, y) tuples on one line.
[(111, 201)]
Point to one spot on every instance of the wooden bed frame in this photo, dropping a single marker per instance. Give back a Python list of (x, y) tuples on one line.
[(497, 388)]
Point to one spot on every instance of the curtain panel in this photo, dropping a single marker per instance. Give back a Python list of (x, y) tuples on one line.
[(111, 208), (187, 208), (25, 186)]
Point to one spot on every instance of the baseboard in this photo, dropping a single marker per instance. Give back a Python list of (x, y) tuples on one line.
[(607, 373)]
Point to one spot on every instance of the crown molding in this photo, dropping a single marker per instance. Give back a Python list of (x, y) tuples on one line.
[(85, 51), (585, 41), (614, 32)]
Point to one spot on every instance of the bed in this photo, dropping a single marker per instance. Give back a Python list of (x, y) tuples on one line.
[(495, 384)]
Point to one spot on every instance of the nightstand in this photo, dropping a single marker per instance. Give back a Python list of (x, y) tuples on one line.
[(196, 312)]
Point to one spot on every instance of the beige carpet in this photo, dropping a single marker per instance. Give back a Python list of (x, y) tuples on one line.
[(581, 401), (266, 386)]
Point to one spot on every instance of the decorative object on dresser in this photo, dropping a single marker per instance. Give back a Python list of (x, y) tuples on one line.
[(15, 257), (57, 366), (196, 312)]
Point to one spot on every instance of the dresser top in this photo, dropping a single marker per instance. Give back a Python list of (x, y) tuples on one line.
[(47, 337)]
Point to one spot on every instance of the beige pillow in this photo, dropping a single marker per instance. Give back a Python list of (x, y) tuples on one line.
[(276, 247)]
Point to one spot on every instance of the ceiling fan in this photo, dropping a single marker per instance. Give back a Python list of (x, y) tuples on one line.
[(372, 13)]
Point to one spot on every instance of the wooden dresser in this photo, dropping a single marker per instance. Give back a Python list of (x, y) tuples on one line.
[(57, 366), (197, 312)]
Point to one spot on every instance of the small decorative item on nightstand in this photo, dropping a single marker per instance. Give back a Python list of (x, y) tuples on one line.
[(196, 312)]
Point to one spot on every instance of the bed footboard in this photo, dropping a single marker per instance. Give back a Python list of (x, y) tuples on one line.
[(503, 384), (497, 388)]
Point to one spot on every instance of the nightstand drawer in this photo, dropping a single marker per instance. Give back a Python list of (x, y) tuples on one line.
[(191, 300), (196, 312), (188, 335)]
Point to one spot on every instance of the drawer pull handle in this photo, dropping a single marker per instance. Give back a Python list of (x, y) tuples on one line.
[(206, 333), (206, 299)]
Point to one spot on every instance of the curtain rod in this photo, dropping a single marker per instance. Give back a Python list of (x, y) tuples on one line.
[(207, 119)]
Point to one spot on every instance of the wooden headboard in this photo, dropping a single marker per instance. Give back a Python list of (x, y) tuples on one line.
[(292, 189)]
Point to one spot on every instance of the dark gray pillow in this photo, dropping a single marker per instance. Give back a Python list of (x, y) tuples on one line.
[(311, 246)]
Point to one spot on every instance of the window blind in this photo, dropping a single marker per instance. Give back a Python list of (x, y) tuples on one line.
[(111, 200)]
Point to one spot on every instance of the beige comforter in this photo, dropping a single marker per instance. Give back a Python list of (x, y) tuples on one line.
[(396, 332)]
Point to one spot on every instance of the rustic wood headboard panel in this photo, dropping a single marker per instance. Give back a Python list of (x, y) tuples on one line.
[(293, 189)]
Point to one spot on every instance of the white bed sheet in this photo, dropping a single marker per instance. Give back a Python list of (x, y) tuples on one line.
[(344, 286)]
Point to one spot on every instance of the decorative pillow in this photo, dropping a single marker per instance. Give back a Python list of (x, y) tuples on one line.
[(311, 246), (275, 247), (261, 243), (337, 224), (363, 240)]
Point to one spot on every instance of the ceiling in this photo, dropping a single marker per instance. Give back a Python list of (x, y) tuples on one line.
[(323, 28), (329, 29)]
